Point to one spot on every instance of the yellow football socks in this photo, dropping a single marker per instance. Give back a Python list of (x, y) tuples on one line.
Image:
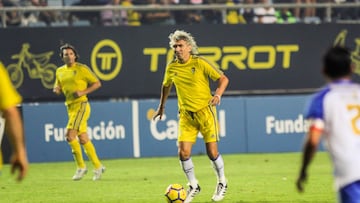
[(91, 153), (76, 151)]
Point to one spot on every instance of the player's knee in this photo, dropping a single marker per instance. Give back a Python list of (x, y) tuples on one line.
[(70, 135), (70, 138), (212, 154), (184, 154), (83, 138)]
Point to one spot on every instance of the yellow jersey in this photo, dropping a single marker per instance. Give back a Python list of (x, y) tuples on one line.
[(191, 80), (133, 17), (72, 79), (9, 97)]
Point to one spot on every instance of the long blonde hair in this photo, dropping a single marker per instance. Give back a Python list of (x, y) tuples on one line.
[(182, 35)]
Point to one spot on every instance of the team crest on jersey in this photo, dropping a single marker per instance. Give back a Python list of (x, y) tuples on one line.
[(193, 70)]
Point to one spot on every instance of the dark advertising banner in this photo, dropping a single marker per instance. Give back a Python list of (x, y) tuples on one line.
[(130, 61)]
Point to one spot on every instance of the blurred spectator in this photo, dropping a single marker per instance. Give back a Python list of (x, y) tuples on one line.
[(265, 15), (284, 16), (45, 16), (92, 16), (133, 18), (233, 16), (157, 17), (248, 14), (346, 13), (139, 2), (13, 18), (179, 16), (308, 14), (187, 16), (310, 11), (213, 16), (195, 16), (28, 17), (113, 17)]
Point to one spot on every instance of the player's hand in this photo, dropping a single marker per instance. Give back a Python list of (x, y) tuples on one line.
[(57, 90), (78, 94), (301, 181), (19, 163), (159, 112), (215, 100)]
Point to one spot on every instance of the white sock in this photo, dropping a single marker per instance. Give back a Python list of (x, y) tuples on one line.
[(188, 168), (218, 165)]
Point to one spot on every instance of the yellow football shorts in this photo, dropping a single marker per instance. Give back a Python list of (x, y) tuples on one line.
[(203, 121), (78, 114)]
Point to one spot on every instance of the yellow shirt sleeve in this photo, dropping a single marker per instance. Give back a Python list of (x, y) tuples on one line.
[(8, 94)]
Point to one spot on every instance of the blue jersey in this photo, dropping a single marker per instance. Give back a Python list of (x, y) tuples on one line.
[(336, 110)]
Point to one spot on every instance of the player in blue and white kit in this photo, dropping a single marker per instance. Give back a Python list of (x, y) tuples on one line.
[(334, 112)]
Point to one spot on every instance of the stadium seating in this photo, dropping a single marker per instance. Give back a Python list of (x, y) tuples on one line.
[(37, 24), (59, 24), (81, 23)]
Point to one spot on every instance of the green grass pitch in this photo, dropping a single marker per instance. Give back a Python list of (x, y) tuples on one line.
[(267, 178)]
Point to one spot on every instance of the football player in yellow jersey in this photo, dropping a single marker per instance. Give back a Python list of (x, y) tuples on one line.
[(76, 81), (9, 98), (190, 74)]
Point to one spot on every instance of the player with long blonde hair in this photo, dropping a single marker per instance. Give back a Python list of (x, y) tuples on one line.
[(190, 74)]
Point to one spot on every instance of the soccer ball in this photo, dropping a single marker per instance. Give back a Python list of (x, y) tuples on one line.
[(175, 193)]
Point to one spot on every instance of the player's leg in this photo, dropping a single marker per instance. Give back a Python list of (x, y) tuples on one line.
[(90, 151), (218, 165), (189, 170), (186, 162), (75, 112), (186, 139), (77, 154), (89, 148), (210, 131), (216, 161)]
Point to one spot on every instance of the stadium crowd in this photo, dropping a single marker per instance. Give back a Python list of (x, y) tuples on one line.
[(265, 15)]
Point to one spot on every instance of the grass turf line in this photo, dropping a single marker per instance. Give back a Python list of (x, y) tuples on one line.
[(253, 178)]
